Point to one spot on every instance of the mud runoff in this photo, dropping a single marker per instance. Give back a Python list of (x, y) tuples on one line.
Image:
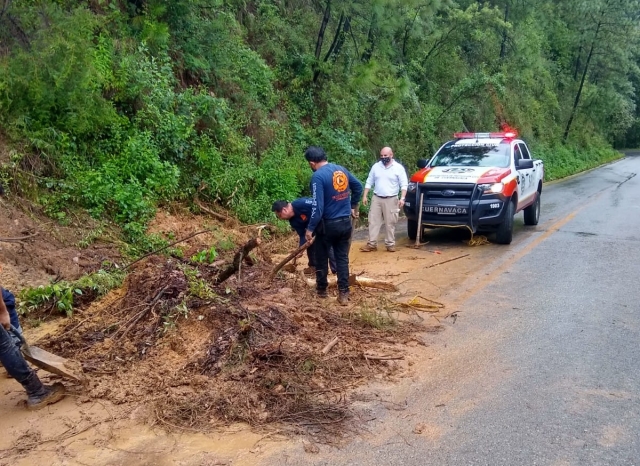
[(197, 357)]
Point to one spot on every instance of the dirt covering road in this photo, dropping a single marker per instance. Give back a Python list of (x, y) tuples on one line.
[(183, 380)]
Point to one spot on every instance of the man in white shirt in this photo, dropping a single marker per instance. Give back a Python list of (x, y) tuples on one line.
[(388, 178)]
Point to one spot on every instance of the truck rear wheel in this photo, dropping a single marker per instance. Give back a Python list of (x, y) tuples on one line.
[(532, 213), (412, 229), (504, 235)]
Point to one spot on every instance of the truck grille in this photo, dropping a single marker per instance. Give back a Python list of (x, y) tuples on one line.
[(442, 192)]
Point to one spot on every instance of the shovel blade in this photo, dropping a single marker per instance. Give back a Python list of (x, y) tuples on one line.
[(54, 364)]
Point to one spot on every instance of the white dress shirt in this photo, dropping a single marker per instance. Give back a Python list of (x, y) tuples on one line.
[(387, 180)]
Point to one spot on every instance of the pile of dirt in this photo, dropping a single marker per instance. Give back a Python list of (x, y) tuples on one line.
[(34, 249), (198, 355)]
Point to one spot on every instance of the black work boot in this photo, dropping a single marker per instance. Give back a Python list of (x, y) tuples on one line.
[(343, 298), (42, 395), (322, 294)]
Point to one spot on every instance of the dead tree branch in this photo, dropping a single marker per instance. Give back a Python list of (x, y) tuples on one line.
[(237, 259)]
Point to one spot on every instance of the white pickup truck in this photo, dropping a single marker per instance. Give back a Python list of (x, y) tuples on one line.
[(478, 181)]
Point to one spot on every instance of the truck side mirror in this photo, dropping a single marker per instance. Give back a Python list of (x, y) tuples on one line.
[(422, 163), (524, 164)]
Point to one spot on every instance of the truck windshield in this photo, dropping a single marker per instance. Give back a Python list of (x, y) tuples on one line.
[(473, 156)]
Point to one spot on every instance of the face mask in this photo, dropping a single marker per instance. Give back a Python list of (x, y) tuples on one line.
[(385, 160)]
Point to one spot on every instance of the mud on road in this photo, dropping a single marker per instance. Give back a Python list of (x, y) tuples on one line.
[(152, 390)]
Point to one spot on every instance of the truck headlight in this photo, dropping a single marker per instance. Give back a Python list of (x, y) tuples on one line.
[(491, 188), (411, 188)]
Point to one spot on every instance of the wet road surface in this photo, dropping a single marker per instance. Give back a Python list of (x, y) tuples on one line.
[(541, 365)]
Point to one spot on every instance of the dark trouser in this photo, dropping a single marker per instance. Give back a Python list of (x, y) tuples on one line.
[(15, 364), (333, 233), (311, 255)]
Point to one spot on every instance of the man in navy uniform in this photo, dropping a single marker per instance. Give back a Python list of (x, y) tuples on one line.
[(298, 213), (335, 194)]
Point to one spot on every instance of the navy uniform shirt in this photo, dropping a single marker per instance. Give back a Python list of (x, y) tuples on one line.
[(335, 191), (301, 216)]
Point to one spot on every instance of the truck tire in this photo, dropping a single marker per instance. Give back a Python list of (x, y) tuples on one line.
[(532, 213), (412, 229), (504, 235)]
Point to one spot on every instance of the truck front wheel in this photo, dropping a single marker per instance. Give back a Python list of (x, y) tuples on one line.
[(412, 229), (504, 235)]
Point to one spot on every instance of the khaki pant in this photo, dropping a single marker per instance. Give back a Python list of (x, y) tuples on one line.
[(383, 212)]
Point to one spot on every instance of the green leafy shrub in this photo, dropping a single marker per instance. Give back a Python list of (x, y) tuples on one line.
[(63, 296)]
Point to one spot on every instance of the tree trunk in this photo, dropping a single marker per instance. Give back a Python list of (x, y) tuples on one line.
[(371, 40), (503, 45), (323, 27), (320, 40), (582, 80), (346, 29), (335, 38)]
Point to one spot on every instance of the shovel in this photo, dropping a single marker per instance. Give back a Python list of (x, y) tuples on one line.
[(50, 362)]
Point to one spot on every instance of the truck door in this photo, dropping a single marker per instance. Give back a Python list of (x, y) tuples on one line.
[(527, 176)]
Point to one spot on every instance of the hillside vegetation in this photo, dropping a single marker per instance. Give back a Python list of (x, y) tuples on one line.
[(116, 106)]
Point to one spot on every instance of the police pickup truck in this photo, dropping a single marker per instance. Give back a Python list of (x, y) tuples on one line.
[(478, 181)]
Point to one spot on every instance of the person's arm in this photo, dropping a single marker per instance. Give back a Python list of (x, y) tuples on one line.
[(404, 183), (317, 206), (356, 191), (367, 186), (5, 320)]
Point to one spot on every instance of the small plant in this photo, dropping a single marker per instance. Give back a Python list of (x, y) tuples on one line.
[(226, 244), (170, 319), (206, 256), (90, 238), (197, 286), (373, 318)]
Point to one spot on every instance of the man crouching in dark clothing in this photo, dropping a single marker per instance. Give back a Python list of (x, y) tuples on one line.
[(335, 194), (298, 213)]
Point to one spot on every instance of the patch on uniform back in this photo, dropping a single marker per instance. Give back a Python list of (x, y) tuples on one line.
[(340, 181)]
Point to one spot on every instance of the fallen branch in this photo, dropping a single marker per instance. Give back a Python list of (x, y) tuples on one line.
[(235, 266), (449, 260), (220, 217), (291, 256), (143, 313), (167, 246), (357, 280), (375, 357), (330, 345), (17, 240), (419, 309)]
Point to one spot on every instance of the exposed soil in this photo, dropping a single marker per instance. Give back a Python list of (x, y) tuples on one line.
[(161, 354), (49, 251)]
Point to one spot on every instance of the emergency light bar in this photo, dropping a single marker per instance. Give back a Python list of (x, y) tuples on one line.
[(503, 135)]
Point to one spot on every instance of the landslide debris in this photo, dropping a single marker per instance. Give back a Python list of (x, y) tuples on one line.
[(199, 355)]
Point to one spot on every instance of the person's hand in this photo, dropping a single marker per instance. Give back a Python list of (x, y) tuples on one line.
[(308, 235), (400, 203), (365, 200), (5, 321), (355, 213)]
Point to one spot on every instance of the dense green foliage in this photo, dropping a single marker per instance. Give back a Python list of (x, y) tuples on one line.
[(115, 106)]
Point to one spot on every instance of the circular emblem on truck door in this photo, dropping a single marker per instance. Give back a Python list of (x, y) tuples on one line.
[(340, 181)]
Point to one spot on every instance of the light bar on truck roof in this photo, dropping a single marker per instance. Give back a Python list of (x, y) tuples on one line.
[(502, 135)]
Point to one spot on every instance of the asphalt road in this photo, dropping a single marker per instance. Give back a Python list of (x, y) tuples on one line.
[(542, 365)]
